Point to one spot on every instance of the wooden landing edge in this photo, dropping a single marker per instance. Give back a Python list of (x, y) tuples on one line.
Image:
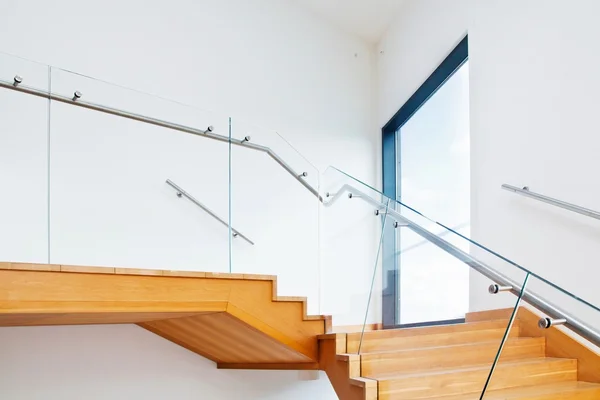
[(273, 366), (132, 271), (356, 328), (490, 315), (169, 273)]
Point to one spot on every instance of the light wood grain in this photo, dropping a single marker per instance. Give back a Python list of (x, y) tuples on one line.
[(31, 286), (344, 372), (224, 275), (462, 355), (12, 308), (356, 328), (471, 380), (560, 344), (133, 271), (225, 339), (452, 362), (279, 366), (212, 314), (46, 319), (552, 391), (184, 274), (87, 270), (443, 335), (489, 315), (288, 318), (30, 267)]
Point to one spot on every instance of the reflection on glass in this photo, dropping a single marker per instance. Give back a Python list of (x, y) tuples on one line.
[(433, 169)]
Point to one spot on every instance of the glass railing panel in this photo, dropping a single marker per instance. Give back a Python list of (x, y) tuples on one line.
[(516, 348), (567, 329), (275, 208), (110, 204), (23, 161), (435, 283), (349, 233), (376, 297)]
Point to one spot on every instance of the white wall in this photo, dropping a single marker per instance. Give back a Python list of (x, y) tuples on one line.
[(124, 362), (533, 92), (263, 62)]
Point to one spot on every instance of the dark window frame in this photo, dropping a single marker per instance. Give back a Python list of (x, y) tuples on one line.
[(390, 262)]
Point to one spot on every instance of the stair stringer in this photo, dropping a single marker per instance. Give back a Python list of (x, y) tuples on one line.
[(343, 370), (47, 294)]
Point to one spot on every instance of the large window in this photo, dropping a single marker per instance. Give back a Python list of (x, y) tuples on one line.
[(434, 178), (427, 167)]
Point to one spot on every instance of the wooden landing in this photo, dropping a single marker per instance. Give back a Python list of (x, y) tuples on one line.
[(236, 320)]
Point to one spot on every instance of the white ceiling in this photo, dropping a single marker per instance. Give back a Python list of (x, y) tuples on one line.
[(367, 19)]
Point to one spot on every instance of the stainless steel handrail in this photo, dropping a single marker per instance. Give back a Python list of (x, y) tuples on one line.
[(75, 100), (531, 298), (487, 271), (181, 192), (555, 202)]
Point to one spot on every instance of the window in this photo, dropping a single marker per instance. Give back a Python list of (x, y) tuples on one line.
[(427, 167)]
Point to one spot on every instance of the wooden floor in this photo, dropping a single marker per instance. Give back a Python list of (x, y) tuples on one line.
[(236, 320), (453, 362)]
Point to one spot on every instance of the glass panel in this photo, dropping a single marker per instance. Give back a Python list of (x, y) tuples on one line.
[(563, 326), (350, 233), (23, 161), (373, 306), (434, 174), (110, 204), (467, 344), (275, 209), (514, 348)]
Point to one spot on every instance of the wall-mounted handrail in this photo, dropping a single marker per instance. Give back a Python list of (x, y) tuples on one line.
[(76, 100), (533, 299), (181, 192), (555, 202)]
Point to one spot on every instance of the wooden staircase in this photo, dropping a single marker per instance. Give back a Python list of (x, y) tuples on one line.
[(236, 320), (452, 362)]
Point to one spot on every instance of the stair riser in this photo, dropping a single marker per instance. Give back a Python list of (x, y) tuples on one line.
[(590, 394), (547, 392), (459, 382), (434, 340), (449, 357)]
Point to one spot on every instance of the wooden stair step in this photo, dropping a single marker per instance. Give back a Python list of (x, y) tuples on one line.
[(444, 382), (478, 353), (553, 391), (235, 320), (430, 336)]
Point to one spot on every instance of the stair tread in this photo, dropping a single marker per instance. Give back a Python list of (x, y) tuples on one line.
[(433, 330), (538, 390), (512, 341), (441, 371), (429, 336)]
